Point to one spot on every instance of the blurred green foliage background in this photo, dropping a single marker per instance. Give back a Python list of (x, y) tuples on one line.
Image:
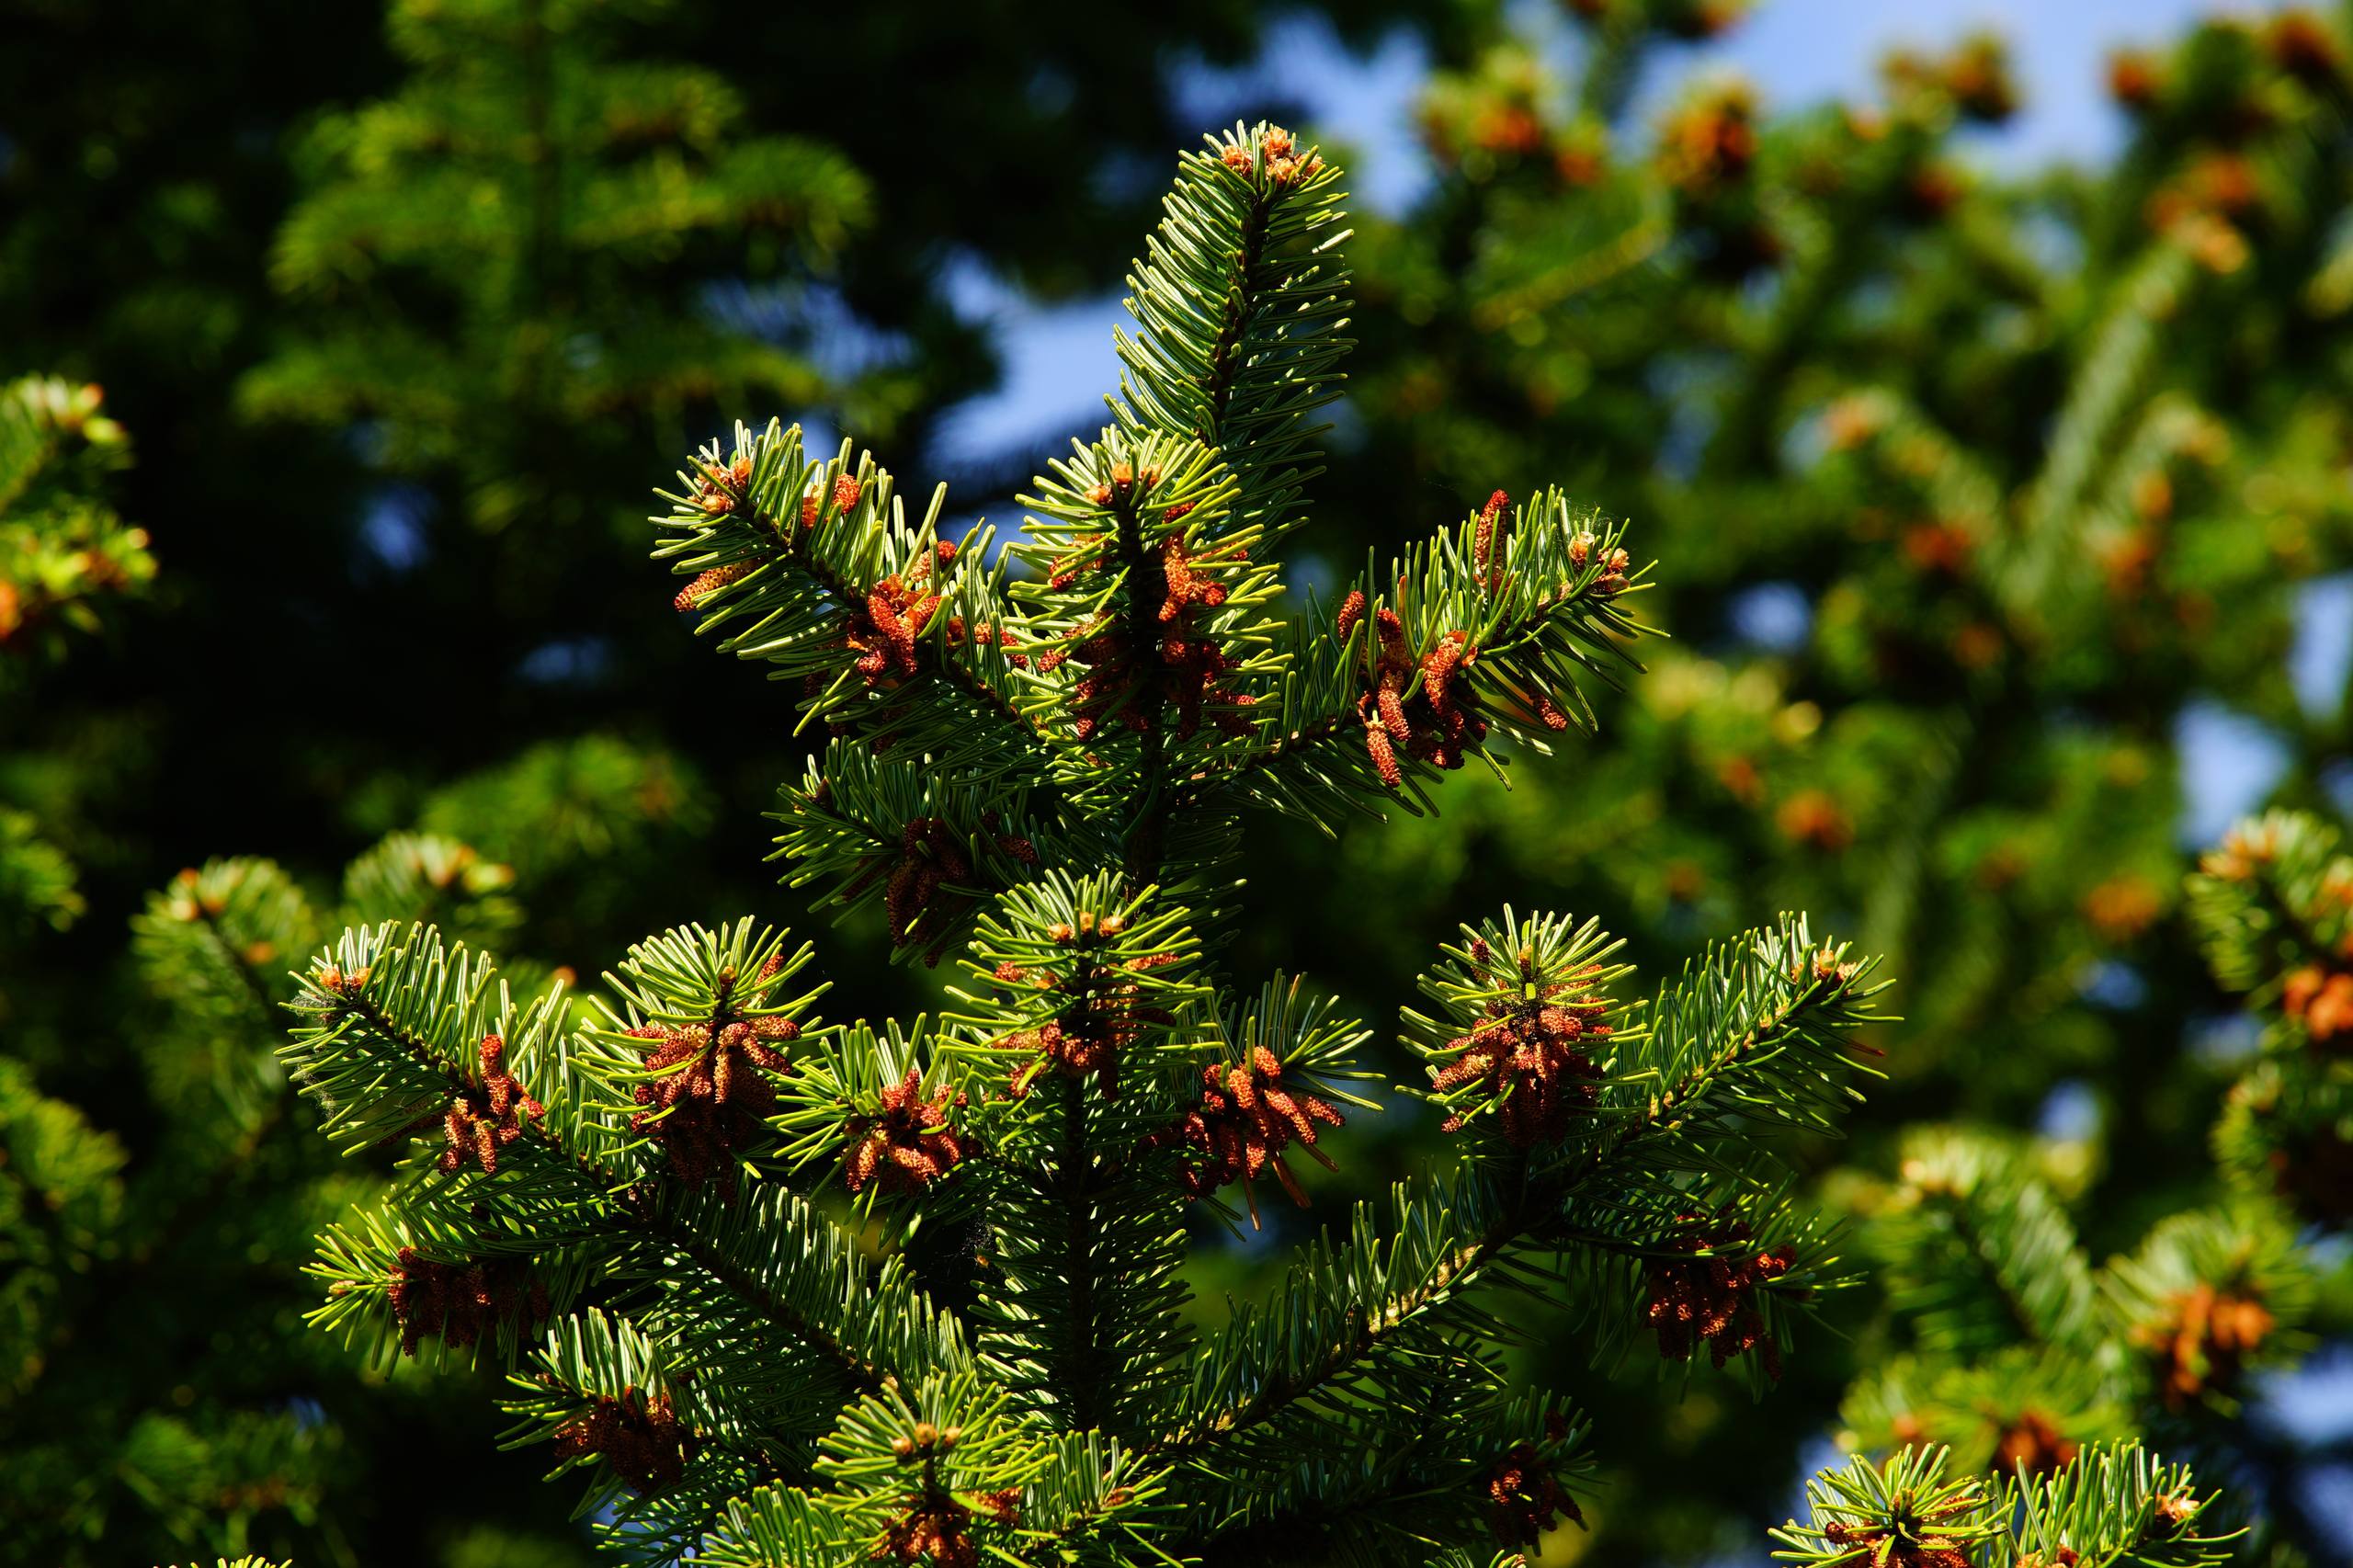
[(1992, 503)]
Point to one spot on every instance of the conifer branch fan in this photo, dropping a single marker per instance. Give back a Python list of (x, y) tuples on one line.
[(1039, 757)]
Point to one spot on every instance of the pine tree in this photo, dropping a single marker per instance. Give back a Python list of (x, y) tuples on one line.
[(797, 1290), (1574, 311)]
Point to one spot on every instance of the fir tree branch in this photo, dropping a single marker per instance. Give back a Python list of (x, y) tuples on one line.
[(930, 848), (862, 1374), (887, 627), (1413, 1281), (1496, 618), (1738, 1039), (782, 548), (1238, 317), (1757, 1032), (390, 1025)]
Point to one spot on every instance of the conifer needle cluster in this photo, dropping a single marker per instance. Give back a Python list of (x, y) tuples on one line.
[(788, 1289)]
